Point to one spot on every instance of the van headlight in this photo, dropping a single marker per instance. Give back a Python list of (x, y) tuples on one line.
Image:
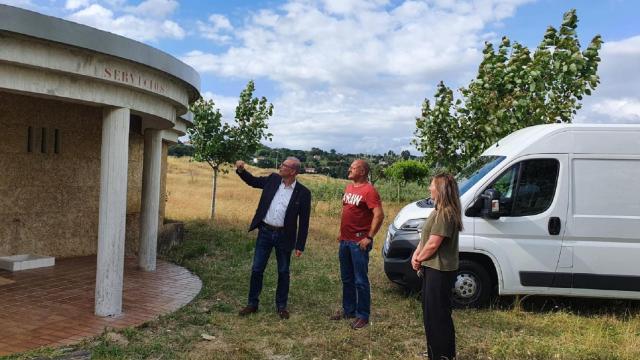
[(413, 225)]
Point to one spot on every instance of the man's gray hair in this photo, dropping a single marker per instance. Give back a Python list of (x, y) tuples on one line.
[(296, 163)]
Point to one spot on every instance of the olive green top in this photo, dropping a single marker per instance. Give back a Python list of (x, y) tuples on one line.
[(446, 257)]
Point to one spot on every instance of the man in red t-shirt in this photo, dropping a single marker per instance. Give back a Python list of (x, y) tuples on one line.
[(362, 216)]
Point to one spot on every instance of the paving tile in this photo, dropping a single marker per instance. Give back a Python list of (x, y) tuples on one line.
[(54, 306)]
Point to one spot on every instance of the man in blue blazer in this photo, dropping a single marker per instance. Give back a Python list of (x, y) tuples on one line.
[(282, 220)]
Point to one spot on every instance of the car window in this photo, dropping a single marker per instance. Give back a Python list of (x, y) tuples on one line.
[(528, 187)]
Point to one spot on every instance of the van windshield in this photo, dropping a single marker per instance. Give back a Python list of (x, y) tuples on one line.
[(470, 175)]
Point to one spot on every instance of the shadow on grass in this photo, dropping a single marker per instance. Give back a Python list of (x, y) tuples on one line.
[(620, 309)]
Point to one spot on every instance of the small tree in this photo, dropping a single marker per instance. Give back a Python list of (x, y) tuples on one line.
[(513, 89), (406, 171), (217, 142)]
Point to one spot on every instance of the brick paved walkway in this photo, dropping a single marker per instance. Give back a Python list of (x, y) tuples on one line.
[(54, 306)]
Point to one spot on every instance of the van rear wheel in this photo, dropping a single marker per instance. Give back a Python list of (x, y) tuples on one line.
[(472, 287)]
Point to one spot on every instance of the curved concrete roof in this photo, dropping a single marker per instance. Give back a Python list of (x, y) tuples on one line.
[(49, 28)]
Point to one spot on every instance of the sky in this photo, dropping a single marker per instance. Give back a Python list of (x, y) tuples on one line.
[(351, 75)]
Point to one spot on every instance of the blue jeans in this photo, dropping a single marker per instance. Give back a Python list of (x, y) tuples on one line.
[(267, 240), (354, 271)]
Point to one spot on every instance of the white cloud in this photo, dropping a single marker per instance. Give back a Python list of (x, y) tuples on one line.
[(220, 22), (226, 104), (217, 29), (154, 8), (617, 98), (75, 4), (350, 67), (144, 22), (625, 108)]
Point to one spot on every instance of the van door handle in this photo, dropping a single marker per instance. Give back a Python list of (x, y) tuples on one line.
[(554, 225)]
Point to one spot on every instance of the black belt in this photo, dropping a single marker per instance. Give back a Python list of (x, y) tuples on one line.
[(271, 227)]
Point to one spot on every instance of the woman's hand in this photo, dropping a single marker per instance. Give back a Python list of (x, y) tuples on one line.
[(415, 264)]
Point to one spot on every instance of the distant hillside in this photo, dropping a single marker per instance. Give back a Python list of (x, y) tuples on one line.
[(314, 161)]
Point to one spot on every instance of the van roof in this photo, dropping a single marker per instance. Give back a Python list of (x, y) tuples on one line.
[(570, 138)]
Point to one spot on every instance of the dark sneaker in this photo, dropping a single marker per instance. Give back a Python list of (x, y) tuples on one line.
[(284, 314), (248, 310), (359, 324), (340, 315)]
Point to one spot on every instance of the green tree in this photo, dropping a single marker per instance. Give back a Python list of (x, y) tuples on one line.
[(406, 171), (217, 142), (180, 149), (376, 172), (513, 89), (438, 130)]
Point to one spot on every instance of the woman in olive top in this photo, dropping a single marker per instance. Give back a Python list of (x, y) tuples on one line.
[(437, 258)]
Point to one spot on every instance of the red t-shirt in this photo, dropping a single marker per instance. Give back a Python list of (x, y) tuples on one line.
[(358, 203)]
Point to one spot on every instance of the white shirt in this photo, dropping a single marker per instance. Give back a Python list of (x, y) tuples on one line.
[(278, 207)]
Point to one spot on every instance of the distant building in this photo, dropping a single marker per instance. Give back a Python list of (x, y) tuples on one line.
[(310, 170), (317, 157)]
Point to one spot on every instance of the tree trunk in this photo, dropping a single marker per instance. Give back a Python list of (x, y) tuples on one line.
[(213, 193)]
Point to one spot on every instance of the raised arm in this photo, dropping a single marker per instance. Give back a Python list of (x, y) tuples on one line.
[(253, 181)]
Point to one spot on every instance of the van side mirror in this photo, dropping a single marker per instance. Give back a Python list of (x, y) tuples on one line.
[(490, 204)]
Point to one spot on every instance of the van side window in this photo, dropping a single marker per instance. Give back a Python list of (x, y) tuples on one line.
[(536, 186), (528, 187)]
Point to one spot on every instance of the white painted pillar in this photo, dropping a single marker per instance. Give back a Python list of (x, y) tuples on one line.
[(150, 200), (113, 210)]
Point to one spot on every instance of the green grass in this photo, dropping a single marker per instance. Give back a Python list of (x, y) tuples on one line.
[(542, 328), (331, 190)]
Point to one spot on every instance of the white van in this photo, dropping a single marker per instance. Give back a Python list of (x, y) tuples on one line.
[(549, 209)]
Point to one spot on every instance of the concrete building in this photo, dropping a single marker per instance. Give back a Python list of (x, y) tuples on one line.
[(86, 118)]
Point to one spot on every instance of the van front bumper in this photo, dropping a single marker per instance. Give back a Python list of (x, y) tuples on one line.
[(397, 250)]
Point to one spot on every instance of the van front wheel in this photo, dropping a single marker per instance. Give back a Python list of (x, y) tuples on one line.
[(472, 287)]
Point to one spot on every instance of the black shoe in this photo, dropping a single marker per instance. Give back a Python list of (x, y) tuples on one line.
[(284, 314), (248, 310), (359, 324)]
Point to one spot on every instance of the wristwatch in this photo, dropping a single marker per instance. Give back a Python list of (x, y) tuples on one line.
[(369, 237)]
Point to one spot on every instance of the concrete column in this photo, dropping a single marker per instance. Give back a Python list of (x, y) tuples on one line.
[(150, 199), (113, 211)]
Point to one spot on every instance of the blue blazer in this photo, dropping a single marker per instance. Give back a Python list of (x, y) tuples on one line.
[(296, 218)]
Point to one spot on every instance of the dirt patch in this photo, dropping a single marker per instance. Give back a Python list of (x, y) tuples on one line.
[(205, 349), (117, 339)]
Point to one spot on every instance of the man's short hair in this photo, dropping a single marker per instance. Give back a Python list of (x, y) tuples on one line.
[(296, 163)]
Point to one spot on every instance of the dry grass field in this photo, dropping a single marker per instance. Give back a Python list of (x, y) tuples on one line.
[(189, 198), (221, 253)]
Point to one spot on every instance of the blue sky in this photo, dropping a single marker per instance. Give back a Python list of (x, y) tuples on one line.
[(351, 74)]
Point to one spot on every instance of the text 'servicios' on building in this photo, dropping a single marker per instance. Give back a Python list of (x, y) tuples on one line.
[(86, 118)]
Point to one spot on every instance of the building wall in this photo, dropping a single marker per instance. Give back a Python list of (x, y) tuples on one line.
[(49, 201)]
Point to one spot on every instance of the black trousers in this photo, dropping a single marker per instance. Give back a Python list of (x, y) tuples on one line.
[(436, 313)]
